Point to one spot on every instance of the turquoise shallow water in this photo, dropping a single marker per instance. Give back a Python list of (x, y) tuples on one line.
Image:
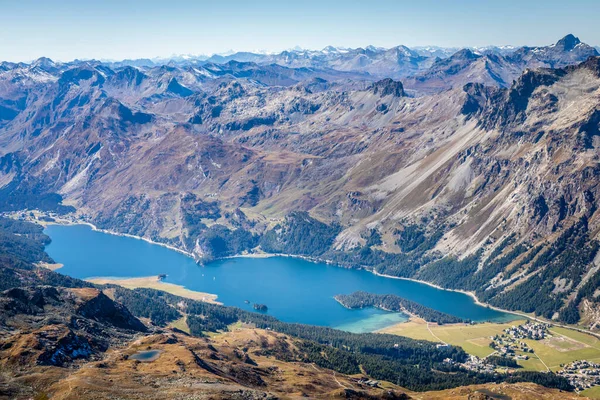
[(373, 322), (294, 290)]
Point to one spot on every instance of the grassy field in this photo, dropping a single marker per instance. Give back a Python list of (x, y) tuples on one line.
[(565, 346), (580, 336), (181, 324), (533, 364), (561, 347), (592, 393), (475, 339)]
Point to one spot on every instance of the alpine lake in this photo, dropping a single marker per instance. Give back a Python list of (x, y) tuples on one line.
[(295, 290)]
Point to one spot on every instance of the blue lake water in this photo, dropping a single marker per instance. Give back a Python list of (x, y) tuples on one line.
[(294, 290), (147, 356)]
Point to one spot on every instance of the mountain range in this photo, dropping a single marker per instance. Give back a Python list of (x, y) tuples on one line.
[(477, 171), (396, 62)]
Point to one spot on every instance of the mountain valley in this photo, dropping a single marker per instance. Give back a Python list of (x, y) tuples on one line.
[(473, 169), (218, 160)]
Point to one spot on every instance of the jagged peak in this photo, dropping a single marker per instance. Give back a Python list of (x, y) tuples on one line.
[(43, 62), (177, 88), (404, 51), (568, 42), (232, 89), (504, 107), (330, 49), (476, 97), (130, 75), (467, 54)]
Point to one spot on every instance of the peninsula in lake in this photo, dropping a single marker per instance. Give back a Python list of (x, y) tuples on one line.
[(390, 302)]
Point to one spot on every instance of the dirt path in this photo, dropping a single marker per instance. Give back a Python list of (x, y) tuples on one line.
[(542, 361), (334, 377), (434, 335)]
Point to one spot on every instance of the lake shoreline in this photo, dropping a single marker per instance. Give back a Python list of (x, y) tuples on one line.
[(67, 222), (268, 255), (61, 221), (405, 312), (468, 293), (50, 266)]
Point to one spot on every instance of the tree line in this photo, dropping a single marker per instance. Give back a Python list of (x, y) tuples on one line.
[(391, 302)]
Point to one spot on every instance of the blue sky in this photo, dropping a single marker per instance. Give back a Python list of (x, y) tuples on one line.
[(118, 29)]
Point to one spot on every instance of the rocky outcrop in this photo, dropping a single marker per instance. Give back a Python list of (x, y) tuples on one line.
[(386, 87), (127, 77), (59, 326), (477, 98), (55, 345), (509, 106), (87, 303), (97, 306), (78, 75), (175, 87)]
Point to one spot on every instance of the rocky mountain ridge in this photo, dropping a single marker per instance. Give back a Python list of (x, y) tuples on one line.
[(395, 62), (475, 187)]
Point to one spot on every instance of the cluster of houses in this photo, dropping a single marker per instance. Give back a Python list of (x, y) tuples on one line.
[(368, 382), (529, 330), (511, 341), (475, 364), (508, 346), (582, 374)]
